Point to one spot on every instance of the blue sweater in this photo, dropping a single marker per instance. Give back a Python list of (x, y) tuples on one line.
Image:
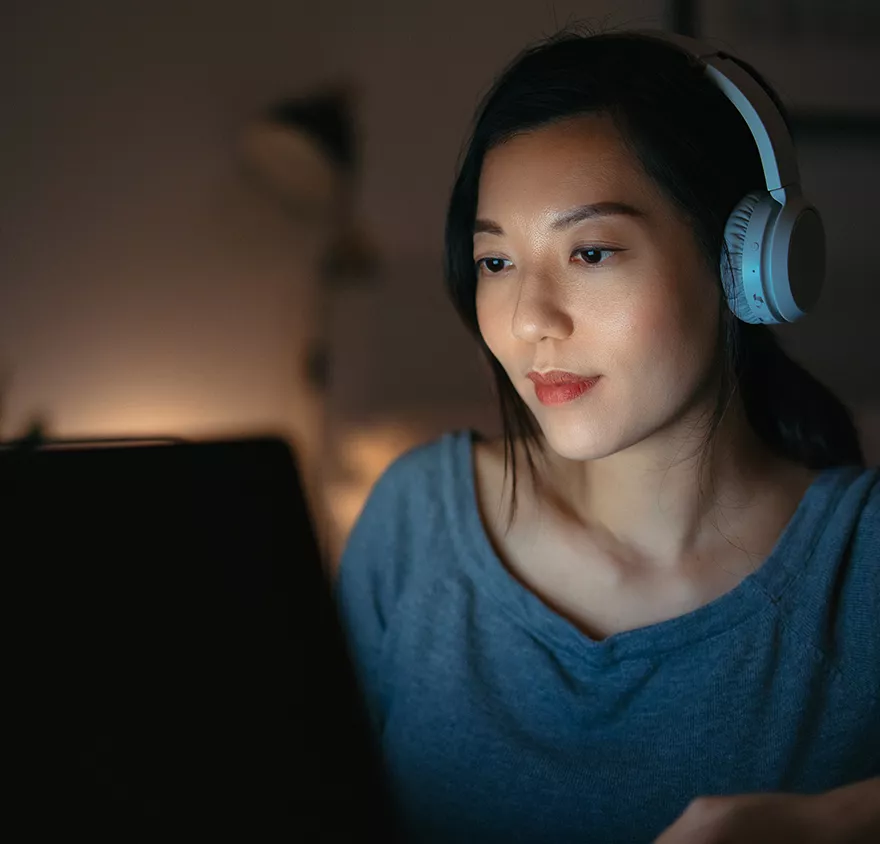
[(500, 721)]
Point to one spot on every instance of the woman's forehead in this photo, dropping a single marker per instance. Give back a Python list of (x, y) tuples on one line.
[(583, 159)]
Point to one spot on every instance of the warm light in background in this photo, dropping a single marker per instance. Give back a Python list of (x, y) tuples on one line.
[(361, 457)]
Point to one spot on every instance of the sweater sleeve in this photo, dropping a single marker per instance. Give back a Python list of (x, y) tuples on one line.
[(368, 581), (858, 619)]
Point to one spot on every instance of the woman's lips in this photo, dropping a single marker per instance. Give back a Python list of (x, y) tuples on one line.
[(558, 387)]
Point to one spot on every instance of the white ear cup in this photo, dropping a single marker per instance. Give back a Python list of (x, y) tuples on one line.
[(776, 258), (742, 249), (794, 259)]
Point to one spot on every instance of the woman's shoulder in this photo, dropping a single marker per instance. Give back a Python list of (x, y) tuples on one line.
[(861, 498), (844, 573), (424, 467), (406, 519), (852, 491), (416, 488), (839, 515)]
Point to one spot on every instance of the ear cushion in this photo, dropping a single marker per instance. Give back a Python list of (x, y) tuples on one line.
[(731, 276)]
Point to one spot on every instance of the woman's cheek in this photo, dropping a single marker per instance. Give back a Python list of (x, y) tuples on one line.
[(490, 319), (639, 333)]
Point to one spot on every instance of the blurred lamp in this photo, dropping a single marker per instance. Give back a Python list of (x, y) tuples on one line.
[(303, 153)]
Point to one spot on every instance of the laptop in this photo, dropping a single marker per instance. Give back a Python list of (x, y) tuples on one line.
[(176, 663)]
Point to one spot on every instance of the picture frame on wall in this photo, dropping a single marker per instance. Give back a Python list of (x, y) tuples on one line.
[(823, 56)]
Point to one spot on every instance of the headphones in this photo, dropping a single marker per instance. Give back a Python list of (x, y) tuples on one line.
[(775, 238)]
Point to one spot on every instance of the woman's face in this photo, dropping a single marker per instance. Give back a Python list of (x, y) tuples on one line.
[(585, 268)]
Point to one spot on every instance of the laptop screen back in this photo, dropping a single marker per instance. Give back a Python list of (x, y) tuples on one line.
[(177, 659)]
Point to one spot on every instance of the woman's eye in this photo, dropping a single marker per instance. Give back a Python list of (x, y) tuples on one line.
[(493, 265), (593, 255)]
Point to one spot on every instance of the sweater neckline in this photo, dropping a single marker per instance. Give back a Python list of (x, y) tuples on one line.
[(758, 592)]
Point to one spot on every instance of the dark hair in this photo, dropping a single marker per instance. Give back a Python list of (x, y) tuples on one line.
[(695, 145)]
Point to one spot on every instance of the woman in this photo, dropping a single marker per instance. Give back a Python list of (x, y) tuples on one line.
[(662, 584)]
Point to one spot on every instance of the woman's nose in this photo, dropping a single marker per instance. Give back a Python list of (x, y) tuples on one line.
[(540, 312)]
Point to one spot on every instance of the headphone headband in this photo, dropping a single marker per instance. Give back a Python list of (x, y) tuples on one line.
[(771, 135), (775, 241)]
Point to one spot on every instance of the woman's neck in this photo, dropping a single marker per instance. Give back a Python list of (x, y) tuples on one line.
[(673, 498)]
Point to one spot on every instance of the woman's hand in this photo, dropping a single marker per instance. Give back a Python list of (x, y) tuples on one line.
[(846, 815), (773, 818)]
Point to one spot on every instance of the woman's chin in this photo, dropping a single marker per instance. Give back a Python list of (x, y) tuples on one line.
[(573, 441)]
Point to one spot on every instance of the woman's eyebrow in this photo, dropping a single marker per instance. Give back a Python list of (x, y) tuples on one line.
[(569, 218)]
